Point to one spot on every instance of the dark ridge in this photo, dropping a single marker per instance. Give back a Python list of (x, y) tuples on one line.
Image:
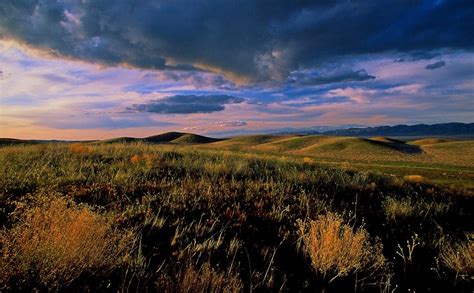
[(164, 137), (179, 138), (13, 141)]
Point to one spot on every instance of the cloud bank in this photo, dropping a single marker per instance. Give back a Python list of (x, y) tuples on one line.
[(254, 40), (187, 104)]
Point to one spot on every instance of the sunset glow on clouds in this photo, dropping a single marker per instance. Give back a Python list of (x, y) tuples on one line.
[(100, 69)]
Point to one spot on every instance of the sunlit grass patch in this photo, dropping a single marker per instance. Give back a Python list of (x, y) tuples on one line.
[(308, 160), (415, 178)]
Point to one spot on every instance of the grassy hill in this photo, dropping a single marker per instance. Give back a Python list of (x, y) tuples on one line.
[(319, 145), (179, 138), (164, 138), (427, 141), (433, 159), (189, 138)]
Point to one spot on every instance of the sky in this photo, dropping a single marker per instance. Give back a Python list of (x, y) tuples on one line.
[(96, 69)]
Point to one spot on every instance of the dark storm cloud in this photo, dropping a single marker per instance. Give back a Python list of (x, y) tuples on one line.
[(187, 104), (308, 79), (435, 65), (418, 55), (258, 39)]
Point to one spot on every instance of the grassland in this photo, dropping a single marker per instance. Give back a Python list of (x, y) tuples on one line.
[(185, 214), (449, 163)]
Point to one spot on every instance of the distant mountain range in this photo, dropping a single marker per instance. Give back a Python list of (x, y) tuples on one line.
[(441, 129)]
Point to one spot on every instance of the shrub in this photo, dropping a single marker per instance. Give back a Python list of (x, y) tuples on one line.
[(55, 242), (337, 250), (459, 259), (135, 159)]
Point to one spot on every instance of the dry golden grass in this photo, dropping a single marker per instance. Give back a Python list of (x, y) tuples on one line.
[(202, 280), (56, 241), (459, 259), (337, 250), (78, 148), (135, 159), (415, 178)]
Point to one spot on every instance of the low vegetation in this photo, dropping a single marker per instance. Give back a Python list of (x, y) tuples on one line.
[(55, 242), (169, 217), (337, 251)]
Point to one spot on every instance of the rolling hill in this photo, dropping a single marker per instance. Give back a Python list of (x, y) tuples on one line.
[(12, 141), (189, 138), (319, 144), (179, 138)]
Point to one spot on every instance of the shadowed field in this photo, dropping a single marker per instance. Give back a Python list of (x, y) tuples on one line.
[(183, 213)]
